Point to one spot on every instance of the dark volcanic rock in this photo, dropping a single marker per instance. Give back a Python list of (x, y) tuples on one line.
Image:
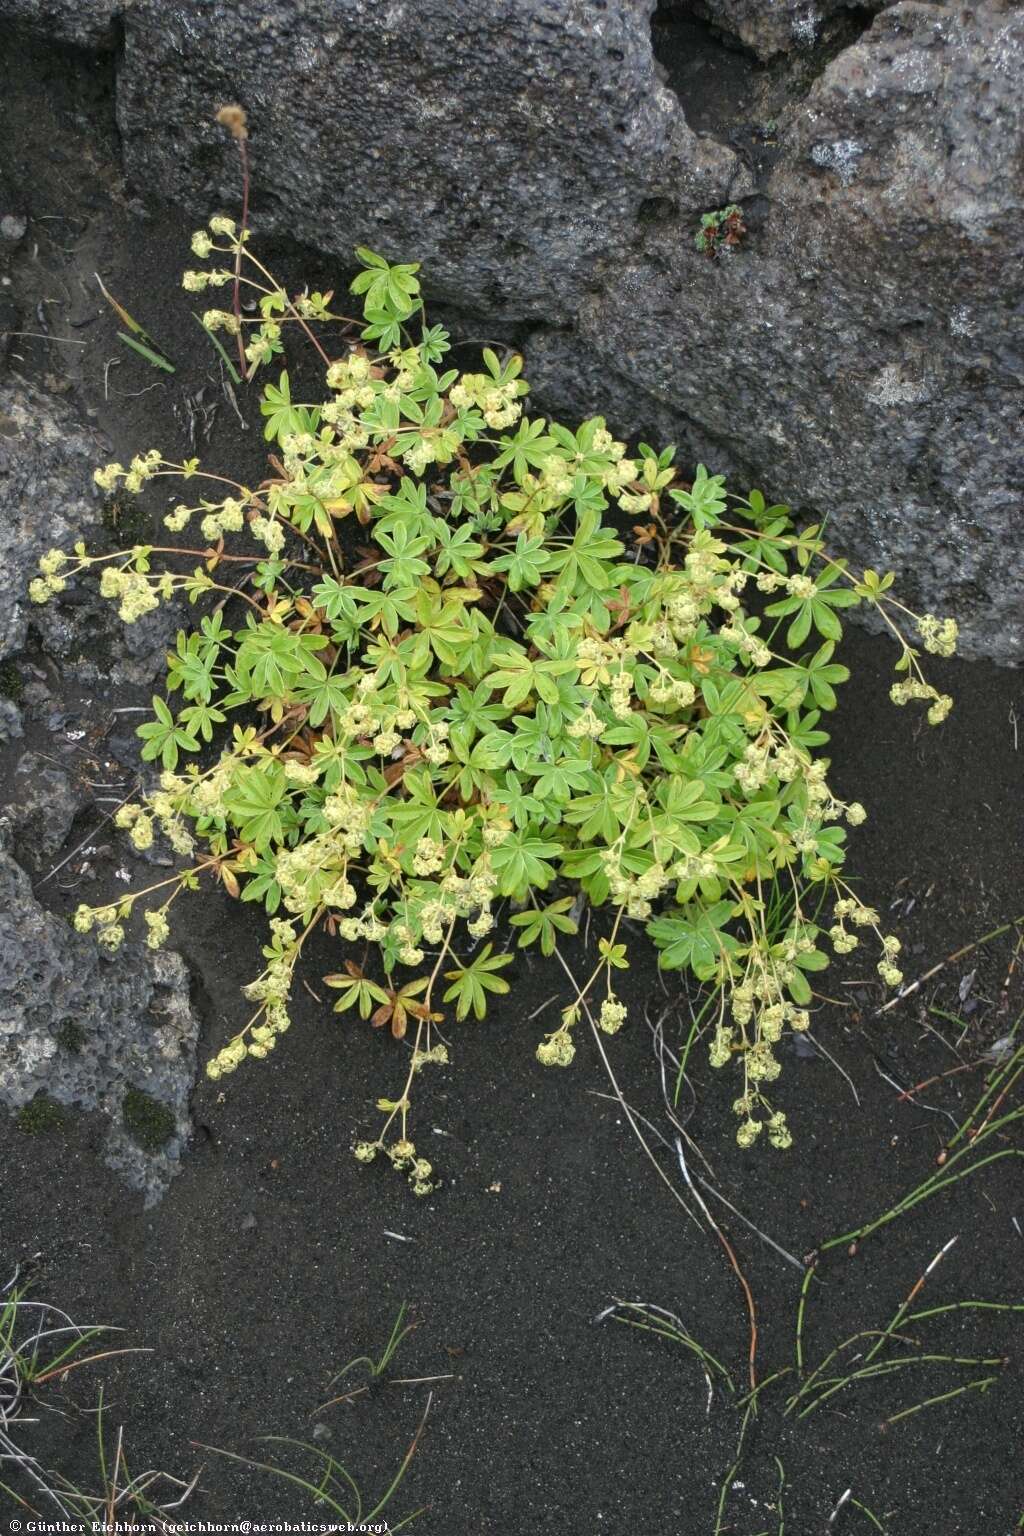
[(85, 23), (509, 146), (46, 495), (771, 27), (45, 804), (86, 1029), (863, 351), (48, 500)]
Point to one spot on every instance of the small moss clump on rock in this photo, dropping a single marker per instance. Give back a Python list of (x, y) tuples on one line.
[(146, 1120), (124, 518), (12, 684), (71, 1036), (39, 1115)]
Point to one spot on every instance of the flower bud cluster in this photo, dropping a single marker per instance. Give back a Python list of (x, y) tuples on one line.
[(612, 1015), (135, 593), (938, 635), (403, 1158), (636, 893), (498, 402), (50, 581), (913, 688)]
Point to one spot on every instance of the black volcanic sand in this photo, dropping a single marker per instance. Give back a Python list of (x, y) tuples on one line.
[(273, 1259)]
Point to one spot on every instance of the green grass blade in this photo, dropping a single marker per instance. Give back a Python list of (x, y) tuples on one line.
[(236, 377), (153, 358)]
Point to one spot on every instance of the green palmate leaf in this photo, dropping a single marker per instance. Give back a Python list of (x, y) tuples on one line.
[(163, 738), (262, 885), (521, 862), (520, 806), (356, 992), (613, 955), (441, 627), (199, 720), (470, 984), (325, 696), (544, 924), (695, 939), (284, 419), (459, 554), (527, 563), (256, 804), (558, 781), (705, 500), (389, 290), (529, 448)]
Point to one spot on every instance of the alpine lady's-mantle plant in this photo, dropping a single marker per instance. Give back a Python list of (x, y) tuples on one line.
[(545, 667)]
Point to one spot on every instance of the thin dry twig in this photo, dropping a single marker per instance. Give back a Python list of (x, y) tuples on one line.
[(958, 954)]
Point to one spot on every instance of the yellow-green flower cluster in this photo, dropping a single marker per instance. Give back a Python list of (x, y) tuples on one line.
[(498, 402), (939, 635), (747, 1133), (268, 531), (159, 928), (109, 931), (228, 517), (314, 873), (142, 468), (402, 1156), (366, 926), (196, 282), (271, 990), (889, 972), (437, 1056), (136, 593), (914, 688), (587, 725), (220, 224), (612, 1015), (428, 857), (635, 893), (350, 378), (139, 826), (557, 1050), (50, 581), (221, 320), (672, 693), (349, 817), (265, 344)]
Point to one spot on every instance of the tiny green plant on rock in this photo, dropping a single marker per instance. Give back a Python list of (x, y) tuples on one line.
[(721, 230), (455, 658)]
